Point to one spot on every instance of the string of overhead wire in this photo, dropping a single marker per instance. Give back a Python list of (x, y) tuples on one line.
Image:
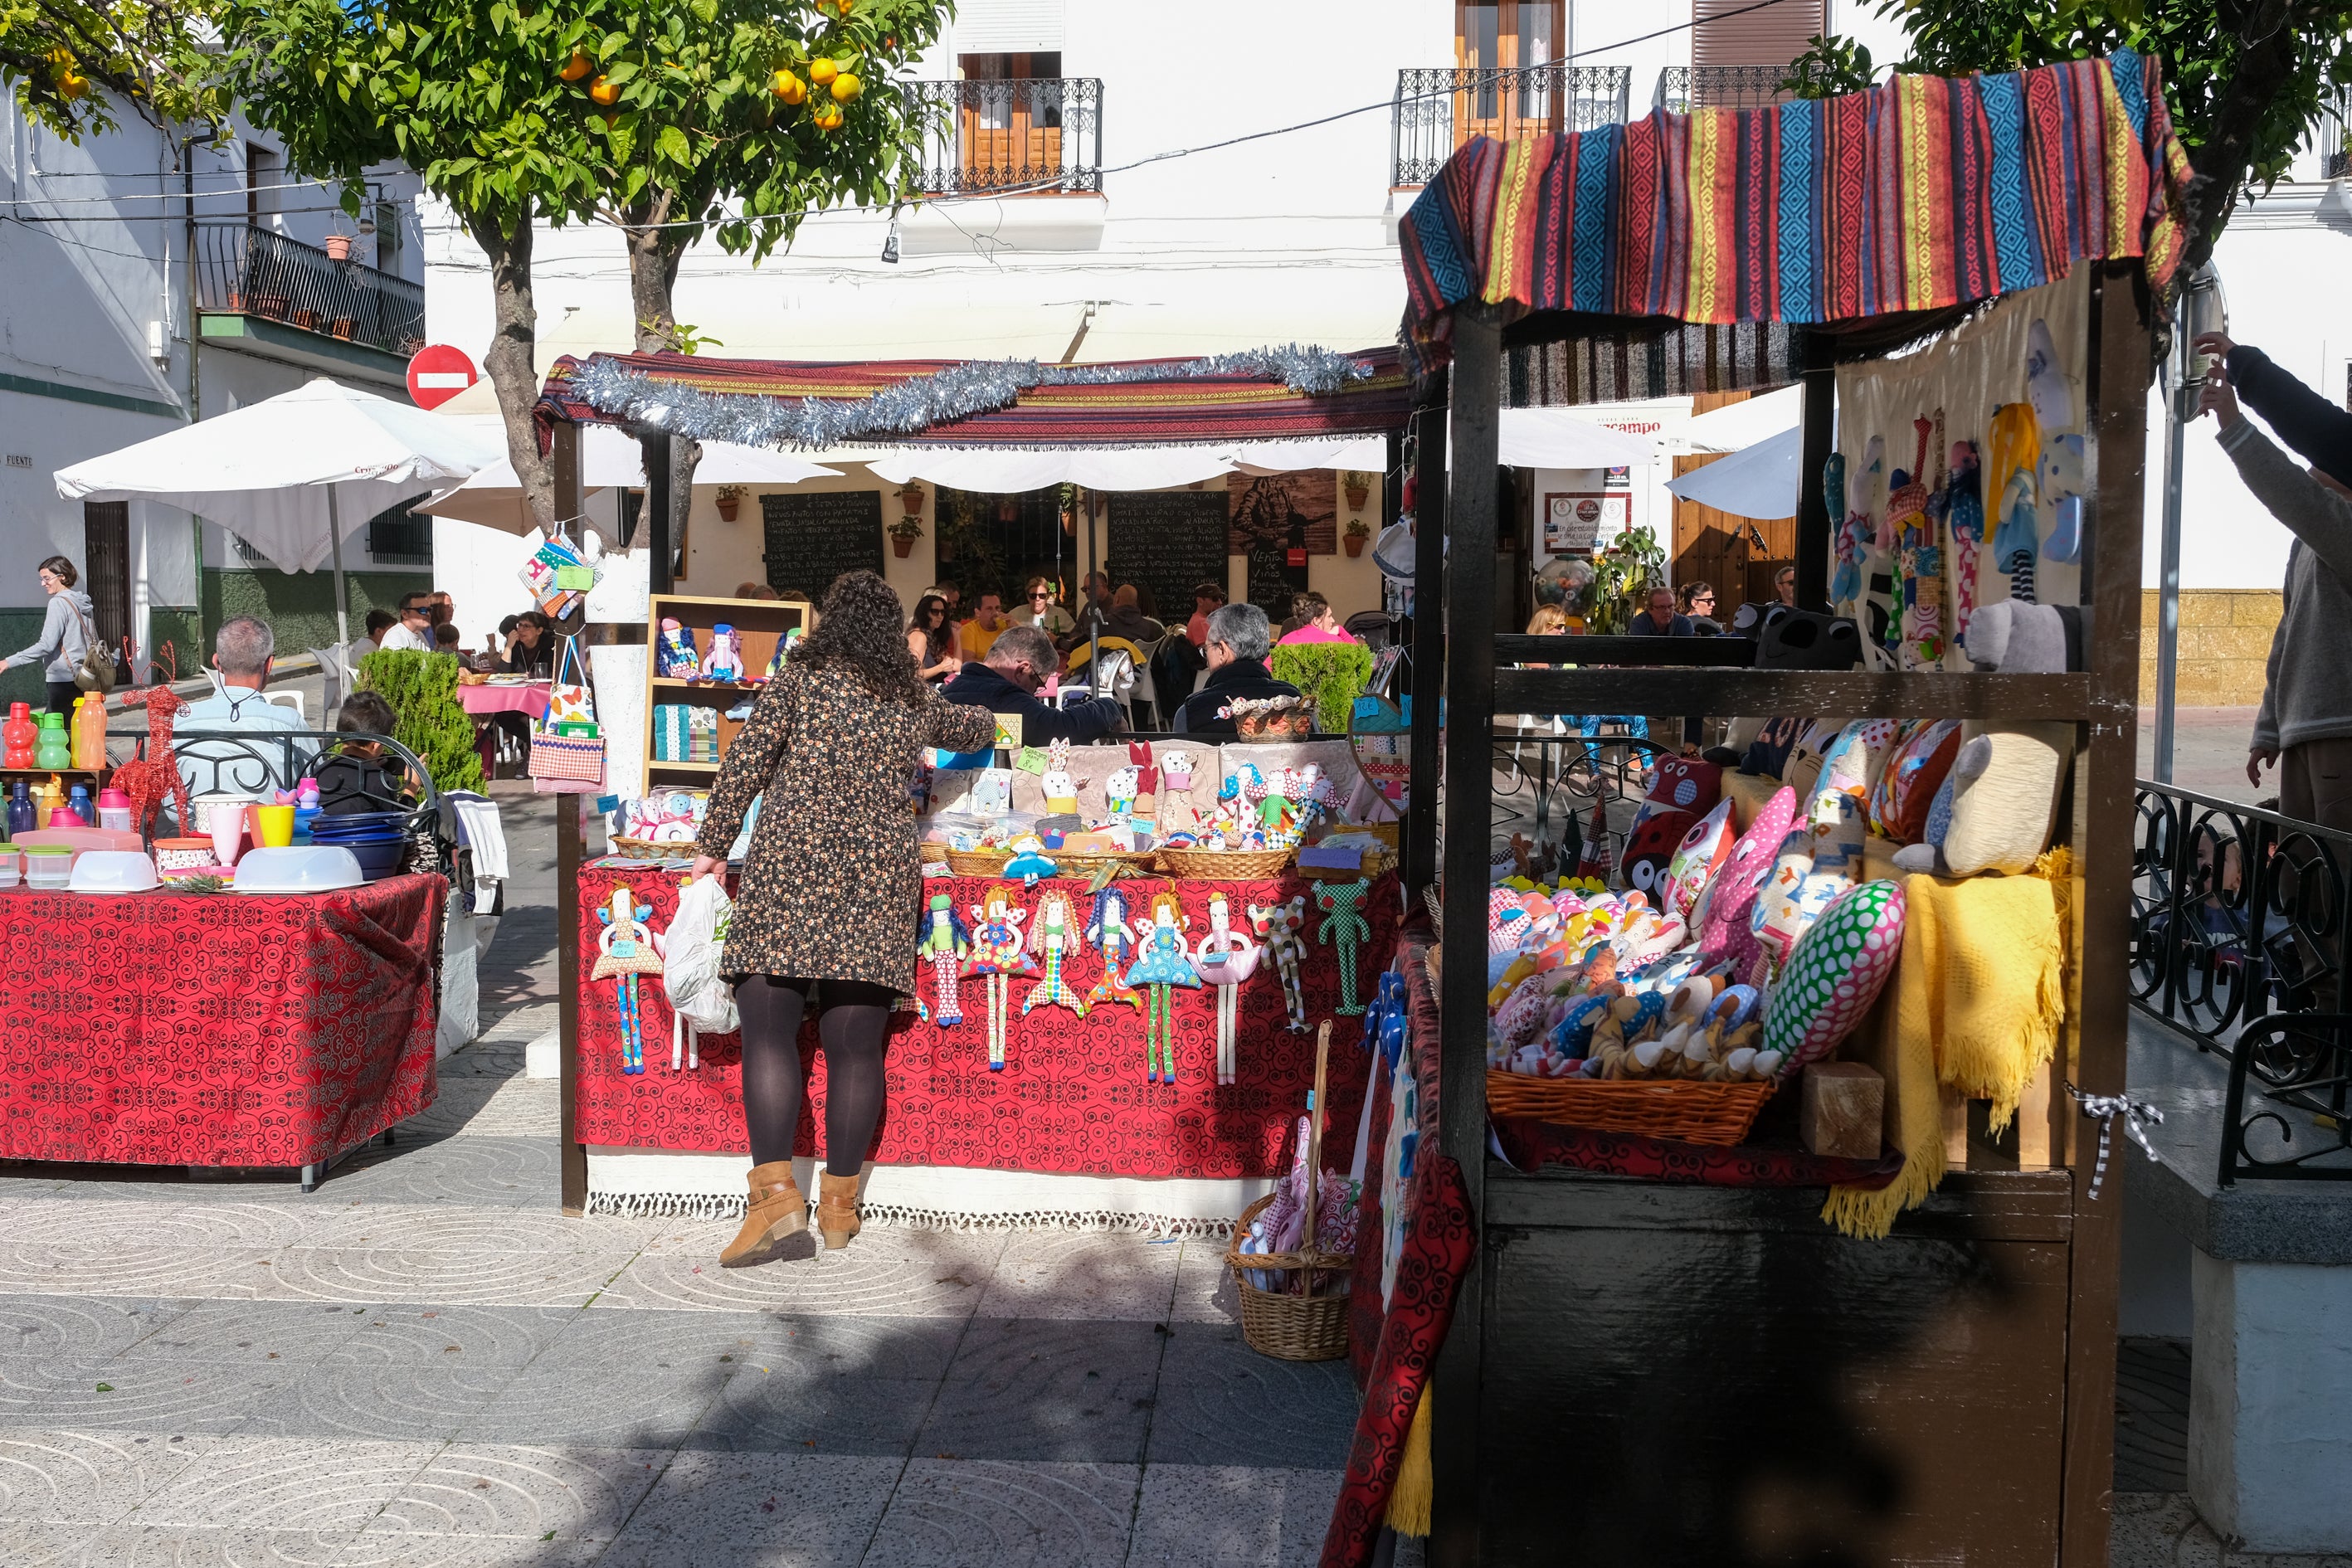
[(993, 194)]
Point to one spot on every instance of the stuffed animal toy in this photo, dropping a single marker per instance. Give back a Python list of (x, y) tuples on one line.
[(943, 939), (990, 794), (1029, 863), (996, 949), (1144, 798), (1055, 935), (1224, 958), (1650, 845), (1344, 926), (1060, 786), (784, 645), (1281, 929), (1995, 809), (1160, 966), (1107, 930), (1121, 791), (625, 949), (1965, 523), (2017, 637), (2060, 477), (2013, 446), (723, 660), (674, 655)]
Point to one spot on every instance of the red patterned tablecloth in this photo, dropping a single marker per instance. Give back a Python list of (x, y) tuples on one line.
[(225, 1029), (1072, 1098)]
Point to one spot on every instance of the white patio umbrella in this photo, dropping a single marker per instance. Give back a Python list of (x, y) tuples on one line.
[(610, 459), (293, 474), (1760, 481)]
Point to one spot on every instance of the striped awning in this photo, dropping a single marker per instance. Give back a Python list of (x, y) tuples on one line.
[(1918, 194)]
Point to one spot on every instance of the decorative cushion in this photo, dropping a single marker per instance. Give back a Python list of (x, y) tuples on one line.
[(1775, 918), (1835, 973), (1695, 860), (1722, 920), (1748, 793), (1686, 784), (1879, 859), (1740, 733), (2004, 785), (1650, 844), (1852, 764), (1768, 754), (1806, 759), (1914, 772)]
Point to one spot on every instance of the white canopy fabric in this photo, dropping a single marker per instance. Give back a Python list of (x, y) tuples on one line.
[(1760, 481), (273, 472), (610, 459), (1736, 427), (1368, 453), (1001, 472), (1559, 438)]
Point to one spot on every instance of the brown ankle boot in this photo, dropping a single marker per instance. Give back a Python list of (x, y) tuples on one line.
[(836, 1208), (777, 1210)]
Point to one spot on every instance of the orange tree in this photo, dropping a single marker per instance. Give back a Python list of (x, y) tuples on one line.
[(666, 117), (68, 62)]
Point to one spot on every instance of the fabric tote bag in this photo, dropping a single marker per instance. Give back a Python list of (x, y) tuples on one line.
[(568, 763)]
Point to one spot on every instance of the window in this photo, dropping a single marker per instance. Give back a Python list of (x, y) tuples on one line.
[(1494, 41), (262, 171), (399, 537), (1010, 116), (387, 236)]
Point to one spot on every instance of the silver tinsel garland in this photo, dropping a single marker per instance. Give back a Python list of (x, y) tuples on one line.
[(912, 406)]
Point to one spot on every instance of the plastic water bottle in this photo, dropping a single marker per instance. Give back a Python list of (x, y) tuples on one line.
[(113, 809), (54, 750), (20, 810)]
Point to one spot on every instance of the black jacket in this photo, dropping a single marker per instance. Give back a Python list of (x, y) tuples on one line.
[(978, 686), (1244, 678), (349, 785), (2302, 418)]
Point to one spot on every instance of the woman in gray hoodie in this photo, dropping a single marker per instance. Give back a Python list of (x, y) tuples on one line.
[(65, 631)]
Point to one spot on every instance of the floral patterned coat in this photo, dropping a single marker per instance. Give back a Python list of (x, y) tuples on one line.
[(833, 886)]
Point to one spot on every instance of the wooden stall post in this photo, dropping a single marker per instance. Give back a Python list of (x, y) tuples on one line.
[(1469, 693), (565, 457), (1816, 529), (1428, 641), (660, 527)]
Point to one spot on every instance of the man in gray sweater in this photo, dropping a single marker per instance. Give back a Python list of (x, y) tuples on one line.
[(2305, 727)]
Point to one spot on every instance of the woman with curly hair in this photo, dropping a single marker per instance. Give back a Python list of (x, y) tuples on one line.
[(829, 892), (931, 639)]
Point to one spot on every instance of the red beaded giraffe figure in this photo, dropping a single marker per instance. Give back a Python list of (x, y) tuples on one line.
[(147, 780)]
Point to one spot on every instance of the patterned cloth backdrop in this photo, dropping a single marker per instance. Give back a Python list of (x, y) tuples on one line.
[(1072, 1097), (1921, 193), (190, 1029)]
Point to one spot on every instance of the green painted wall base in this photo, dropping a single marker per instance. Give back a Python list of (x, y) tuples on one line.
[(21, 683), (300, 608)]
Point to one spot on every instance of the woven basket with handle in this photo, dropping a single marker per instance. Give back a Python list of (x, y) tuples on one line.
[(978, 862), (1224, 865), (1686, 1110), (1277, 1323)]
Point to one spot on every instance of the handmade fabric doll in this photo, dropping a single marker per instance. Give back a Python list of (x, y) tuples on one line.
[(784, 645), (1162, 965), (1056, 936), (1224, 958), (1965, 521), (1030, 862), (996, 951), (1119, 791), (1920, 557), (1144, 800), (723, 660), (1061, 789), (1282, 928), (675, 655), (1107, 928), (2060, 477), (1344, 926), (625, 949), (2013, 445), (942, 941)]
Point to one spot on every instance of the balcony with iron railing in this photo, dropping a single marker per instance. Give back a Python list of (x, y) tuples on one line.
[(1682, 88), (1440, 108), (245, 269), (1024, 135)]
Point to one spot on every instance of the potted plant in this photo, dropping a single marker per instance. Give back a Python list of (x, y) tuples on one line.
[(343, 327), (273, 306), (729, 499), (307, 320), (1359, 490), (911, 494), (903, 534), (1357, 531), (339, 247)]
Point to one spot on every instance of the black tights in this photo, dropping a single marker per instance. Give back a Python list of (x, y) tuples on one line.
[(852, 1031)]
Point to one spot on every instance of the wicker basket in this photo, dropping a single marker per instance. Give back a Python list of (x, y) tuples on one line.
[(1224, 865), (1137, 863), (647, 849), (978, 862), (1685, 1109), (1288, 1328)]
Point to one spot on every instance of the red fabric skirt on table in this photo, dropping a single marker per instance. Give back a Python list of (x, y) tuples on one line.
[(217, 1029), (1072, 1098)]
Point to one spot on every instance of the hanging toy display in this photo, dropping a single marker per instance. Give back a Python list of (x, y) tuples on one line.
[(1225, 958), (1107, 930), (2013, 446), (943, 939), (1282, 930), (1964, 522), (997, 952), (1161, 964), (1344, 927), (1915, 634), (1054, 935), (625, 949)]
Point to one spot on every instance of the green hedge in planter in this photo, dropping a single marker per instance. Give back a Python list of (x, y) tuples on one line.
[(1332, 673), (427, 718)]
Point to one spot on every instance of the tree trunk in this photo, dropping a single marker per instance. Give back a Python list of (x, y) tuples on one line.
[(513, 359), (655, 253), (2267, 45)]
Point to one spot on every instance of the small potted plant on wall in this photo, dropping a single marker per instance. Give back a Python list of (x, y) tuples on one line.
[(1359, 490), (1357, 531), (911, 494), (730, 500), (903, 534), (339, 247)]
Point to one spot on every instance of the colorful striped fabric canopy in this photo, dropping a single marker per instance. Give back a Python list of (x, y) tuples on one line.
[(1922, 193)]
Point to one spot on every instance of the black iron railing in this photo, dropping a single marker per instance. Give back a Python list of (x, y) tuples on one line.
[(1025, 135), (2238, 928), (1440, 108), (1682, 88), (250, 271)]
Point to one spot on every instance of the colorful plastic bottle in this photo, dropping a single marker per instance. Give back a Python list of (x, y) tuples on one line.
[(53, 750), (78, 801), (113, 809), (20, 808), (18, 736), (89, 732), (52, 798)]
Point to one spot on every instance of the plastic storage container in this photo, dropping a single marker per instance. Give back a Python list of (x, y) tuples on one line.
[(112, 872), (314, 869), (48, 866)]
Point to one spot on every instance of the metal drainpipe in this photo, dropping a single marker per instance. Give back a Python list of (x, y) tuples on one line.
[(196, 337)]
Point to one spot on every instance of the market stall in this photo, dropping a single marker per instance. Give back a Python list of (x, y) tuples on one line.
[(1774, 1171), (1057, 1093)]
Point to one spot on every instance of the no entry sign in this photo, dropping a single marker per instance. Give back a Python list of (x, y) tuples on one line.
[(438, 372)]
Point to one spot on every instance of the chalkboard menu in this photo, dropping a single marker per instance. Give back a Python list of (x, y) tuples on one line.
[(1169, 541), (1273, 579), (813, 537)]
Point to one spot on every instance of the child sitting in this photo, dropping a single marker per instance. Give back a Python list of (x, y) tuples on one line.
[(355, 777)]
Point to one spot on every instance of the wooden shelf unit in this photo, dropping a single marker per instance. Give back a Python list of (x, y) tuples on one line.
[(759, 622)]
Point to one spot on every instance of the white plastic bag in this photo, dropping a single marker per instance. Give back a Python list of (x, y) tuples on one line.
[(700, 1003)]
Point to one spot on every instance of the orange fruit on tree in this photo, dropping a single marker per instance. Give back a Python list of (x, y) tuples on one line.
[(787, 86), (847, 87), (605, 90), (829, 118), (822, 70), (72, 85), (577, 66)]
